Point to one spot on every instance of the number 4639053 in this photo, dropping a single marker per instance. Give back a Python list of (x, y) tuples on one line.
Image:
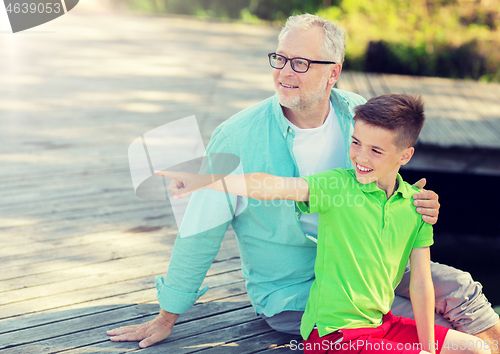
[(33, 8)]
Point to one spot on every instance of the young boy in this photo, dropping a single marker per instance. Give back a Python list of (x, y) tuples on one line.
[(368, 229)]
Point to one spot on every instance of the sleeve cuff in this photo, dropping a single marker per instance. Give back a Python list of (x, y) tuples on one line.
[(304, 207), (423, 243), (176, 301)]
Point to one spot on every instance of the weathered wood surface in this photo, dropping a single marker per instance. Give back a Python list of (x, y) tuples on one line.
[(460, 114), (78, 250)]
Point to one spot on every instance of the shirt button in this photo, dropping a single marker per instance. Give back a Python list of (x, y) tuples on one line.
[(289, 129), (284, 135)]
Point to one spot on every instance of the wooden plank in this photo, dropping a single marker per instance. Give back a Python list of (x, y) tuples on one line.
[(467, 119), (88, 222), (483, 101), (109, 290), (183, 345), (377, 84), (440, 133), (255, 344), (362, 85), (61, 201), (146, 301), (345, 82), (155, 214), (435, 131), (281, 350), (96, 337), (85, 254), (210, 316), (67, 262), (446, 112), (102, 275), (151, 233), (122, 303), (25, 280), (284, 349)]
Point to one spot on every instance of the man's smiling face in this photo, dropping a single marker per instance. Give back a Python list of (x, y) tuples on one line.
[(302, 91)]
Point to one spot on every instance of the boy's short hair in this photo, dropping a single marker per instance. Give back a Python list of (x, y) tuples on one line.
[(401, 113)]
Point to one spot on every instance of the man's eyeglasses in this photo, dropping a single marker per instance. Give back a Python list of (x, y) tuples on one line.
[(299, 65)]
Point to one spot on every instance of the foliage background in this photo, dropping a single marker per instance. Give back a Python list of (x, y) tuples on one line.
[(449, 38)]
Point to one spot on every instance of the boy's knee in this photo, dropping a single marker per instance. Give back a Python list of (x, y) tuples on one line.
[(463, 343), (481, 347)]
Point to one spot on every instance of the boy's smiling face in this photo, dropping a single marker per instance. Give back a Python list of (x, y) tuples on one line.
[(375, 157)]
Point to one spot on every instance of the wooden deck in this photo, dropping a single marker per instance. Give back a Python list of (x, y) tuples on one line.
[(460, 114), (462, 129), (78, 250)]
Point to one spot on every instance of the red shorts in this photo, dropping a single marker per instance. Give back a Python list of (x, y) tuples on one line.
[(394, 335)]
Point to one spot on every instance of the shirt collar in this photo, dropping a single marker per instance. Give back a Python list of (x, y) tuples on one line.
[(403, 188), (372, 187), (284, 124)]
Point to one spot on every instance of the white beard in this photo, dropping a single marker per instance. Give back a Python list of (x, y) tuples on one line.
[(301, 103)]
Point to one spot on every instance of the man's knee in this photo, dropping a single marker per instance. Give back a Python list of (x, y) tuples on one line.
[(461, 301), (402, 307)]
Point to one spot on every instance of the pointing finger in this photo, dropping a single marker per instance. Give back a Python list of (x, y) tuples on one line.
[(168, 174)]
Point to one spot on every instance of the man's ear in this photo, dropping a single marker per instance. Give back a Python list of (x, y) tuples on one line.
[(335, 74), (406, 156)]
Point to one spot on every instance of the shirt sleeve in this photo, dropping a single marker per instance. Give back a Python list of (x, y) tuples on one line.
[(323, 187), (425, 236), (207, 218)]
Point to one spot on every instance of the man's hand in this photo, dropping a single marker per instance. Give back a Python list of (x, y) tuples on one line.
[(147, 333), (427, 203)]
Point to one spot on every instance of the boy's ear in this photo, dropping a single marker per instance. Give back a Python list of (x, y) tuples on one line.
[(406, 155)]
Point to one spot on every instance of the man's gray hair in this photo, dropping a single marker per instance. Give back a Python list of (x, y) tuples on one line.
[(334, 46)]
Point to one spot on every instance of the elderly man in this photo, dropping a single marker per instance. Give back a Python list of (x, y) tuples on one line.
[(304, 129)]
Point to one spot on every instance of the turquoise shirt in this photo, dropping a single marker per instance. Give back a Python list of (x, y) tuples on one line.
[(277, 259)]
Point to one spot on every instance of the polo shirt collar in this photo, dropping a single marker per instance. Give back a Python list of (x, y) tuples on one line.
[(368, 188), (372, 187), (403, 189)]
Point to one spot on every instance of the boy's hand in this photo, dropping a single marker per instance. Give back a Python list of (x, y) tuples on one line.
[(184, 183), (426, 202)]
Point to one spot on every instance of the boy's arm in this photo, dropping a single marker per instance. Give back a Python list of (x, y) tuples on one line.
[(422, 296), (253, 185)]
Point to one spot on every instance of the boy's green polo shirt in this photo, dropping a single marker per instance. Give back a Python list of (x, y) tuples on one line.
[(364, 242)]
